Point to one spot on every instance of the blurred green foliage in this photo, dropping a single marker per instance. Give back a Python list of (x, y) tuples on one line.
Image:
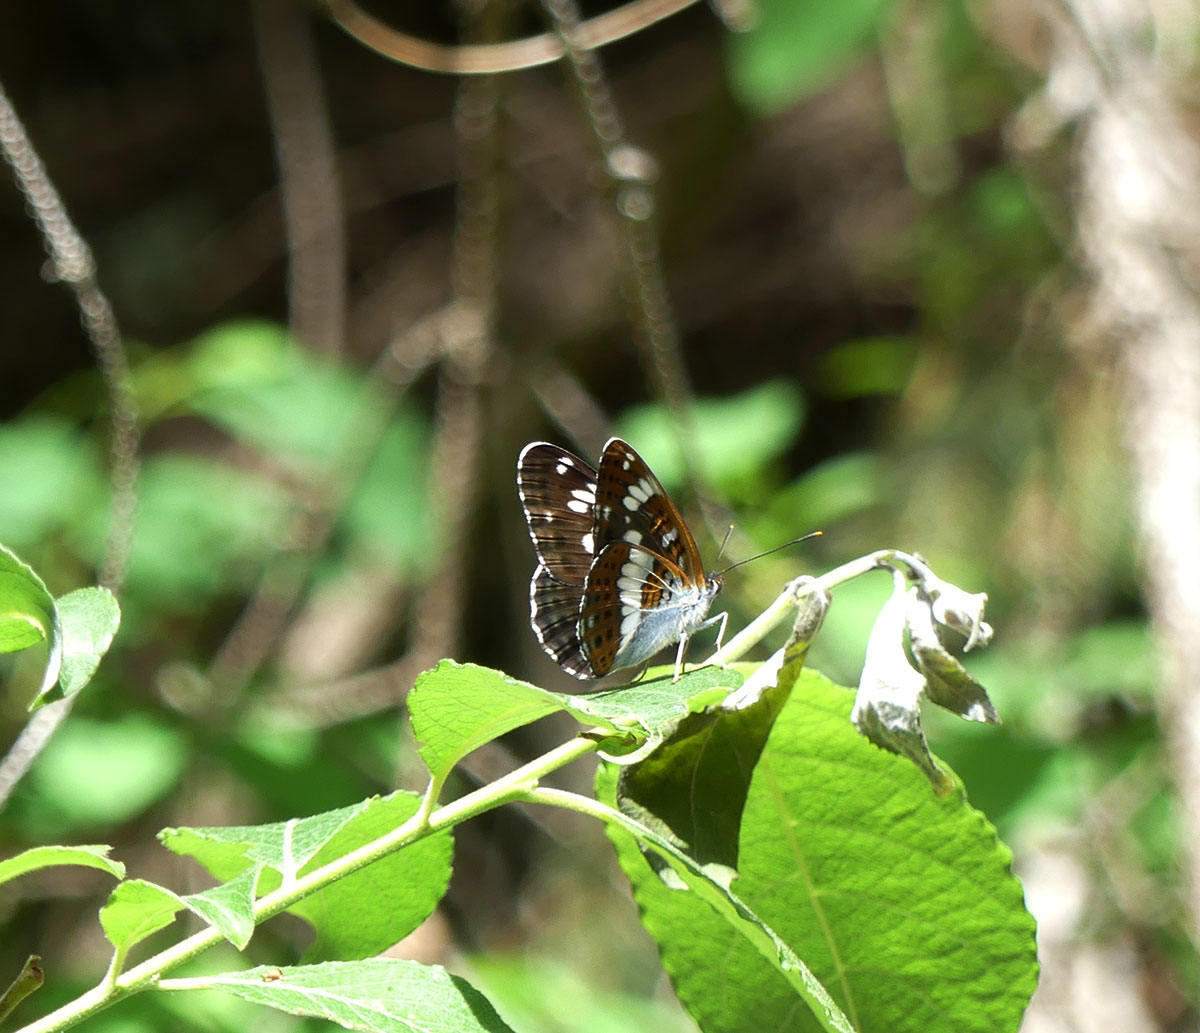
[(931, 396)]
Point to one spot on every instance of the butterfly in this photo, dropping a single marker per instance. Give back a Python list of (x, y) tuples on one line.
[(619, 576)]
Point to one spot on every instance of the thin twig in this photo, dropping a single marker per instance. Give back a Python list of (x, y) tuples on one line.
[(486, 58), (72, 263), (308, 175), (632, 173)]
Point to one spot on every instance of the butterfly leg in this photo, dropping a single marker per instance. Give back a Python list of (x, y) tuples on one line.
[(723, 618), (683, 640)]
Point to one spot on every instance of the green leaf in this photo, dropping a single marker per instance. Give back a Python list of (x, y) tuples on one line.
[(229, 906), (89, 618), (357, 916), (903, 904), (137, 909), (692, 788), (797, 48), (710, 885), (366, 912), (265, 389), (868, 366), (382, 995), (49, 856), (456, 708), (388, 512), (736, 437), (27, 614), (284, 846)]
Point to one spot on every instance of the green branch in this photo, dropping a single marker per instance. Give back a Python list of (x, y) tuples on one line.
[(511, 787)]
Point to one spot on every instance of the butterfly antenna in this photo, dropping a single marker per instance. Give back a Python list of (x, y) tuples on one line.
[(724, 542), (759, 556)]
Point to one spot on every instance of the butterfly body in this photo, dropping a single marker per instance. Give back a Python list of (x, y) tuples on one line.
[(619, 576)]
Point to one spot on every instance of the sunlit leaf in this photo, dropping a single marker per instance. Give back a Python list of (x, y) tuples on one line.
[(366, 912), (89, 618), (49, 856), (137, 909), (28, 615), (229, 906), (736, 437), (903, 904), (456, 708), (708, 887), (59, 477), (382, 995)]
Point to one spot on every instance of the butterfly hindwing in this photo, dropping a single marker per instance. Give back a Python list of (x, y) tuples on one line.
[(554, 614), (631, 607)]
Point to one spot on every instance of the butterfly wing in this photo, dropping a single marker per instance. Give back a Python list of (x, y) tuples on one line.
[(558, 494), (554, 614), (635, 603), (632, 506)]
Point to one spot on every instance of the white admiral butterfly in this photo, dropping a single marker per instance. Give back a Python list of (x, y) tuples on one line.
[(619, 576)]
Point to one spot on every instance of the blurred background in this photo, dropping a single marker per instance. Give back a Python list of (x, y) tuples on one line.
[(917, 273)]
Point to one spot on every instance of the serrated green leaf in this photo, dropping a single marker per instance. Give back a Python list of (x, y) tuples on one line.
[(28, 615), (137, 909), (366, 912), (710, 884), (50, 856), (692, 787), (456, 708), (229, 906), (382, 995), (354, 917), (903, 904), (89, 618)]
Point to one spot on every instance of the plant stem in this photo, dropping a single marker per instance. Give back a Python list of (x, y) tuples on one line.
[(773, 615), (513, 786)]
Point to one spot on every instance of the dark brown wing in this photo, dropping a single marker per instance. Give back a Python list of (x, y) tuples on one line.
[(554, 614), (632, 506), (627, 583), (558, 494)]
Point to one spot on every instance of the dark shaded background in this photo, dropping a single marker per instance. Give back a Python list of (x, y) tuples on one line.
[(884, 247)]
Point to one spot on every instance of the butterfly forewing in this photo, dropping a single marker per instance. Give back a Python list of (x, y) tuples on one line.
[(633, 506), (558, 493)]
